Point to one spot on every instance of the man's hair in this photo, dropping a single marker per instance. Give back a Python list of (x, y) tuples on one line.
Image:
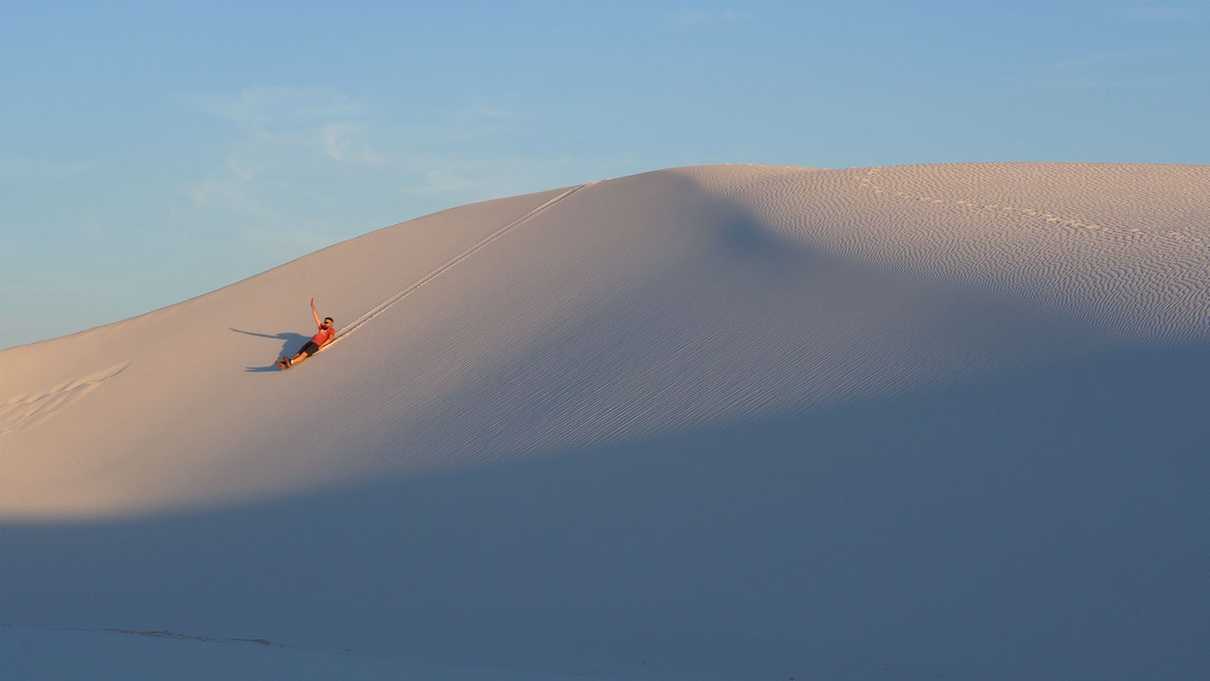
[(329, 319)]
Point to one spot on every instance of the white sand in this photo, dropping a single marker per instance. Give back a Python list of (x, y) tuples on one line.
[(751, 422)]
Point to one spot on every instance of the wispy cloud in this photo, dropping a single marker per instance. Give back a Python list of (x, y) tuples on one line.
[(298, 165), (485, 111), (1153, 12), (698, 17), (232, 190), (25, 167), (280, 135), (468, 178), (330, 122), (277, 107), (345, 142), (436, 180), (1114, 69)]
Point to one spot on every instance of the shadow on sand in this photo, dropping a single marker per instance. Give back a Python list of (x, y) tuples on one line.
[(1046, 523), (291, 342)]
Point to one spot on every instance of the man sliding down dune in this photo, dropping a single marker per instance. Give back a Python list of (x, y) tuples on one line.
[(325, 335)]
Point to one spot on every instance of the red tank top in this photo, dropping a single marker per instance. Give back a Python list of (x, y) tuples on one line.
[(323, 336)]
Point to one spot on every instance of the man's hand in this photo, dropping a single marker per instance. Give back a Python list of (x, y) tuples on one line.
[(315, 312)]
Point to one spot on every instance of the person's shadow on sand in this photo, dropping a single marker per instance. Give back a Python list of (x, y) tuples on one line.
[(291, 342)]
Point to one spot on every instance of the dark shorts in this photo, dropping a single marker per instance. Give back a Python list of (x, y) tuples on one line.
[(310, 348)]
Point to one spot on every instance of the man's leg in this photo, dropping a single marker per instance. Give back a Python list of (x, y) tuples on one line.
[(299, 359)]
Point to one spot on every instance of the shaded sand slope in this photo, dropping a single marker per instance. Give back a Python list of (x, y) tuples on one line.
[(734, 422)]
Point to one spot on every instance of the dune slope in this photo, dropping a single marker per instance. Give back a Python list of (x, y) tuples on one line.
[(731, 421)]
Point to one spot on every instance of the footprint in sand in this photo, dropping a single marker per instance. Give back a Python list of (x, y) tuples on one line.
[(870, 182), (27, 411)]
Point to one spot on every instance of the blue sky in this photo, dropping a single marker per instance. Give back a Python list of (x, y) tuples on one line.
[(154, 151)]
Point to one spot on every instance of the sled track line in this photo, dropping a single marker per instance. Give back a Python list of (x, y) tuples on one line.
[(448, 265)]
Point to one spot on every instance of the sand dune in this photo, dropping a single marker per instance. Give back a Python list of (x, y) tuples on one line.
[(711, 422)]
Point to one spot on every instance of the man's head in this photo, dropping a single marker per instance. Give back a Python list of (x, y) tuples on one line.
[(328, 321)]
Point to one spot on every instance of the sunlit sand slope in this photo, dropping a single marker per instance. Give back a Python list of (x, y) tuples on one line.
[(731, 421)]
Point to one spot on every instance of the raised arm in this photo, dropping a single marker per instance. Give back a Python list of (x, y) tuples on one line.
[(315, 313)]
